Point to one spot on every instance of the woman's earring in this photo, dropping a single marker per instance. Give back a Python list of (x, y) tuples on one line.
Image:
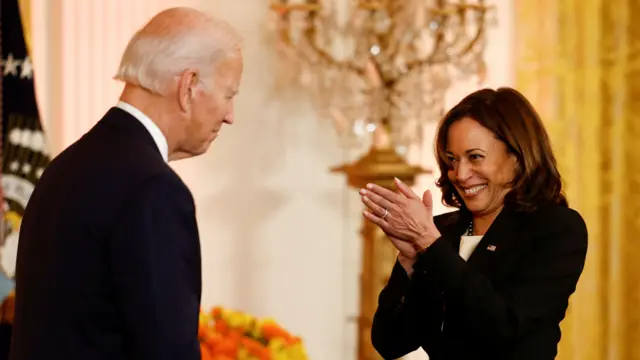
[(456, 198)]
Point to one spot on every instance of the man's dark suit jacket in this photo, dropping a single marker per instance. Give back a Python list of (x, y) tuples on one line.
[(506, 302), (109, 256)]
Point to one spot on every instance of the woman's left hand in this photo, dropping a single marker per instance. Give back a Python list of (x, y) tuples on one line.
[(404, 216)]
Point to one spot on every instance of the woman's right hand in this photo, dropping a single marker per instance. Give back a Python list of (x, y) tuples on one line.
[(406, 249), (407, 254)]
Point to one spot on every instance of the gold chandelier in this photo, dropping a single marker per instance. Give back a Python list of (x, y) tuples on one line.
[(381, 64)]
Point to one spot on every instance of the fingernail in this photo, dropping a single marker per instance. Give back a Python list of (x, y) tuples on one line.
[(369, 186), (365, 198), (397, 180), (363, 191)]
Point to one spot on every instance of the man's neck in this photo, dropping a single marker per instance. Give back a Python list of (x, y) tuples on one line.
[(152, 106)]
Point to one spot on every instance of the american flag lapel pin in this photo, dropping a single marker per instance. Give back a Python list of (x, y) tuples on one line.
[(491, 248)]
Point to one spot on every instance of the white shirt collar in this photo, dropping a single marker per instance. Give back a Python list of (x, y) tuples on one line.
[(154, 130)]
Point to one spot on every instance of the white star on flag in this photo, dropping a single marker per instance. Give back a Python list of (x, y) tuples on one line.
[(27, 69), (11, 66)]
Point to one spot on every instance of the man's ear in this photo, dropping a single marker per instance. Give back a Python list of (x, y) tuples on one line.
[(186, 87)]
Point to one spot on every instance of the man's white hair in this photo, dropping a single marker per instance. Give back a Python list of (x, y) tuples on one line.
[(153, 58)]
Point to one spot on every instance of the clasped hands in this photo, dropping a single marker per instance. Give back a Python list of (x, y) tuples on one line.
[(405, 218)]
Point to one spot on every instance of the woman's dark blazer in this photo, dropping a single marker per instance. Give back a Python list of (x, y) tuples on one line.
[(506, 302)]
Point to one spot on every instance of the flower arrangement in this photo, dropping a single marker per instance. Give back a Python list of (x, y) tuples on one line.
[(232, 335)]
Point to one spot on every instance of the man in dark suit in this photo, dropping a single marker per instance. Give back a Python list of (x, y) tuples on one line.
[(109, 256)]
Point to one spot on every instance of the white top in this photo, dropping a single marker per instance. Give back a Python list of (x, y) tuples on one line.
[(468, 244), (154, 130)]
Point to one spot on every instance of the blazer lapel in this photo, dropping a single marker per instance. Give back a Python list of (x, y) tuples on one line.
[(454, 227), (501, 237)]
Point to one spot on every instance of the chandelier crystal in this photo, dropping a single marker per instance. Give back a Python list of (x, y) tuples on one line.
[(375, 64)]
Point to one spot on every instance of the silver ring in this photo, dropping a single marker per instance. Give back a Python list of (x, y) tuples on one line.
[(385, 214)]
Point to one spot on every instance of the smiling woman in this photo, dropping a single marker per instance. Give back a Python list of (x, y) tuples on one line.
[(493, 279), (492, 148)]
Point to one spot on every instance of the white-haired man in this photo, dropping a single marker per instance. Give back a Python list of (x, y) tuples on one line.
[(109, 256)]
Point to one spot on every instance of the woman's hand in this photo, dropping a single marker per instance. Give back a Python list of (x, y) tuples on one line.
[(404, 217)]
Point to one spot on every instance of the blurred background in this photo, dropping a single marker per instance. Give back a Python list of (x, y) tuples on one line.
[(280, 232)]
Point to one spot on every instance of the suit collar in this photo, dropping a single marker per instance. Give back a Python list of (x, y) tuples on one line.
[(153, 129), (126, 125)]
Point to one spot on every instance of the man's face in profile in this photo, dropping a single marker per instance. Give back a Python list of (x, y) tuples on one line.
[(213, 107)]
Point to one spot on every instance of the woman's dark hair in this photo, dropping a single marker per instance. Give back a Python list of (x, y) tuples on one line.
[(514, 121)]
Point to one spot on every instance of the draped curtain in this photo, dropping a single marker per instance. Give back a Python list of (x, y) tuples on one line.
[(578, 61)]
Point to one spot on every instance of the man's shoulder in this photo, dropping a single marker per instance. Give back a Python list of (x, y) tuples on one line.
[(155, 184), (163, 193), (123, 163), (107, 169), (166, 180)]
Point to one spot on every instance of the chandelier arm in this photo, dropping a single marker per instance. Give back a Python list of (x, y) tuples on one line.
[(390, 46), (475, 39), (311, 8), (482, 9), (328, 60), (411, 68), (333, 62), (418, 65), (384, 81), (414, 66), (446, 12)]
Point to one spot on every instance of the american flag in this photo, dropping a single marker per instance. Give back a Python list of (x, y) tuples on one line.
[(24, 153)]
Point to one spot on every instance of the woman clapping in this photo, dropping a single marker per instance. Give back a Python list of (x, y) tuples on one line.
[(491, 280)]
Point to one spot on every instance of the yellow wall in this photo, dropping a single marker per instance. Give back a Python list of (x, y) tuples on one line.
[(579, 63)]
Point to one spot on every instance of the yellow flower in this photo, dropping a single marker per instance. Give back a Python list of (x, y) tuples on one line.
[(238, 320), (256, 331), (243, 354), (276, 345), (205, 318), (230, 323)]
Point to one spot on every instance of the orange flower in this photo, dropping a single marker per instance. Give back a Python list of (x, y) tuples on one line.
[(273, 331), (202, 329), (221, 327), (206, 353), (255, 348), (235, 334), (211, 338), (227, 334), (227, 347), (216, 312), (223, 357)]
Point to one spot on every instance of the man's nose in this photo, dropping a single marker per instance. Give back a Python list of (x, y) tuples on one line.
[(230, 117)]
